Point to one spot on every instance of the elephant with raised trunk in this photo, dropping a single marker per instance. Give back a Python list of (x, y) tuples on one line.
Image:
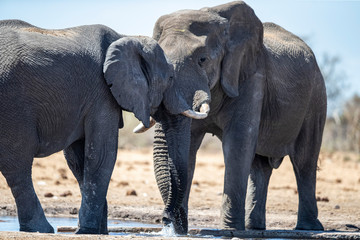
[(267, 100), (65, 90)]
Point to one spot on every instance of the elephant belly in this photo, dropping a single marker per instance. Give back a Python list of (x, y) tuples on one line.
[(54, 139), (277, 138), (273, 150)]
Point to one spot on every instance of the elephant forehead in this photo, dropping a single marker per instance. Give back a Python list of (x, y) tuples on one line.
[(178, 48), (184, 40)]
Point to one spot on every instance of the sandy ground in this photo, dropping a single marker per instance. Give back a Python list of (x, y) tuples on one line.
[(133, 194)]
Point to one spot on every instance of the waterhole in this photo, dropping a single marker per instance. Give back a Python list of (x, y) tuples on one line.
[(11, 224), (116, 227), (126, 228)]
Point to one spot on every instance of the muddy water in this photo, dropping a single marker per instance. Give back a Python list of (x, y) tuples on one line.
[(10, 223)]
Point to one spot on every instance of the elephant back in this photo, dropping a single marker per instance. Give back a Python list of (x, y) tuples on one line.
[(14, 23), (282, 43)]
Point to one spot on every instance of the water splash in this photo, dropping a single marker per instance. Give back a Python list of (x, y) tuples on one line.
[(168, 231)]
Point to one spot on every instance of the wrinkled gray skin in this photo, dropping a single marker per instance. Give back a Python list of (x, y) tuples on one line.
[(268, 100), (65, 90)]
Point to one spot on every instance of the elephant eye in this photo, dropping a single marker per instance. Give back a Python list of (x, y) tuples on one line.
[(202, 60)]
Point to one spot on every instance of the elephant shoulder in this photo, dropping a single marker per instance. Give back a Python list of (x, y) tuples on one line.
[(97, 33)]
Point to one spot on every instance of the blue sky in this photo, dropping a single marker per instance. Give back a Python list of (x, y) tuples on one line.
[(331, 27)]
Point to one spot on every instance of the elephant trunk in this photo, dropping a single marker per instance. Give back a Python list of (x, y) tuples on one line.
[(171, 151)]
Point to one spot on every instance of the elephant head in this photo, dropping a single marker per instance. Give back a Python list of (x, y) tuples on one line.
[(138, 73), (212, 49)]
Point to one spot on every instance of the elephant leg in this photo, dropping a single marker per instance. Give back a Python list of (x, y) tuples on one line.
[(75, 155), (238, 156), (304, 160), (239, 139), (100, 150), (30, 213), (196, 139), (257, 193)]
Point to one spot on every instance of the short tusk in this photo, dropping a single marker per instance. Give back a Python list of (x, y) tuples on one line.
[(195, 115), (204, 111), (141, 128), (205, 108)]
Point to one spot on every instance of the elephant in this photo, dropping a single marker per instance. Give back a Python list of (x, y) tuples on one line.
[(266, 99), (65, 90)]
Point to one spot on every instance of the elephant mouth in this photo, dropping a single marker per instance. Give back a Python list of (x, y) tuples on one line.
[(153, 110)]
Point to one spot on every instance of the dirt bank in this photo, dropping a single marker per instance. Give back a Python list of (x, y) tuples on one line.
[(133, 194)]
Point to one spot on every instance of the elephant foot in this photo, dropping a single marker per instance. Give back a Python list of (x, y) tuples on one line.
[(179, 228), (233, 228), (178, 220), (310, 225), (240, 226), (255, 226), (253, 223), (38, 227), (85, 230)]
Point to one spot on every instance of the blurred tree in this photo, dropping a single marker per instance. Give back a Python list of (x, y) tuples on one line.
[(350, 120), (343, 134), (342, 126), (335, 81)]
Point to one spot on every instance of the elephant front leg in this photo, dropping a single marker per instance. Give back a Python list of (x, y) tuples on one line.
[(241, 128), (257, 193), (99, 160), (196, 139), (75, 156), (238, 155)]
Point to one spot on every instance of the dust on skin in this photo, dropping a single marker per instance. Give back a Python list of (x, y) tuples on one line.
[(58, 33)]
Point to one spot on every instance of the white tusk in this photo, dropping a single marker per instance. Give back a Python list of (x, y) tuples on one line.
[(195, 115), (141, 128), (204, 111), (205, 108)]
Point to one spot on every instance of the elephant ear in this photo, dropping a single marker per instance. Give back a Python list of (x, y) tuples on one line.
[(243, 43), (126, 73), (158, 27)]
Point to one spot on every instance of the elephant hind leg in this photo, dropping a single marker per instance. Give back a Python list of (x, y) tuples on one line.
[(255, 205), (304, 160), (75, 156), (30, 213)]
